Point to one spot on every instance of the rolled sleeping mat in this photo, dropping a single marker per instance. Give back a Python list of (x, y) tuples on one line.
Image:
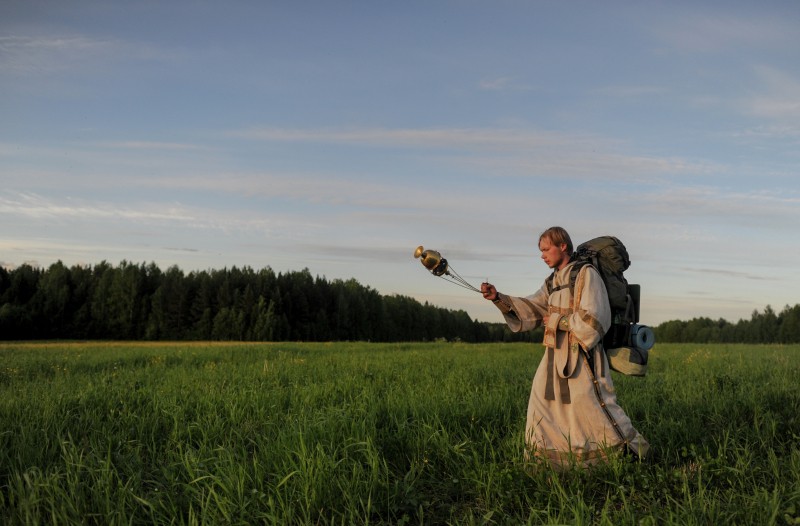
[(642, 337)]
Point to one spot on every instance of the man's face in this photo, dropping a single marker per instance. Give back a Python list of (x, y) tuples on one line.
[(554, 255)]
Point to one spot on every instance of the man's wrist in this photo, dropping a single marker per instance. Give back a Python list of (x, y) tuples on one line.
[(500, 303)]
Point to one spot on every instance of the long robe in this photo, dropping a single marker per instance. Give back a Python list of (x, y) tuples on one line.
[(573, 414)]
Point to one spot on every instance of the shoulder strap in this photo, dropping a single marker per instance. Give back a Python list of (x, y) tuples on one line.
[(573, 277), (549, 282), (573, 274)]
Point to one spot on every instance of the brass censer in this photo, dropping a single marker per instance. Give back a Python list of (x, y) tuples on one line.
[(438, 266)]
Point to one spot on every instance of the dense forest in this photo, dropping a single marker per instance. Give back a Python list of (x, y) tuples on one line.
[(142, 302), (762, 327)]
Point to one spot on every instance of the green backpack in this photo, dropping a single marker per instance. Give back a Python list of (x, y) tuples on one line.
[(627, 343)]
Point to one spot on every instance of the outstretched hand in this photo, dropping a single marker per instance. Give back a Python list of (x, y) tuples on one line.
[(489, 291)]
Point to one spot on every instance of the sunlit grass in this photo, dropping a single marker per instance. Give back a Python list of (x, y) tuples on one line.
[(358, 433)]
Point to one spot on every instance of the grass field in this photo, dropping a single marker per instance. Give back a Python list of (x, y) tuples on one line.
[(358, 433)]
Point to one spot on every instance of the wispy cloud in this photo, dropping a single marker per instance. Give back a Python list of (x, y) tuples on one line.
[(709, 201), (780, 99), (151, 145), (593, 165), (26, 54), (731, 274), (698, 32), (778, 132), (304, 199), (623, 91), (313, 188), (41, 55), (26, 209), (511, 152), (503, 84), (461, 138), (35, 206)]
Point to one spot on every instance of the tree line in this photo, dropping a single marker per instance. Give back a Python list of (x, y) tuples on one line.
[(142, 302), (762, 327)]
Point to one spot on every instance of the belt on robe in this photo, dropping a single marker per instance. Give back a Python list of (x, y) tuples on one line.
[(595, 355), (563, 383), (566, 361)]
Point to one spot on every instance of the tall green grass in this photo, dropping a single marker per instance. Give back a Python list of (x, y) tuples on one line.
[(357, 433)]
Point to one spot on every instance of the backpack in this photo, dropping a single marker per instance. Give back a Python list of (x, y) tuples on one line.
[(627, 343)]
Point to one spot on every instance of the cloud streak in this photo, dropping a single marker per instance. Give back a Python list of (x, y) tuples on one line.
[(780, 100), (503, 84), (457, 138), (44, 55), (711, 33), (731, 274), (514, 152), (28, 57)]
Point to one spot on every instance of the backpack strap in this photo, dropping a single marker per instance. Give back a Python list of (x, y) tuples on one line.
[(549, 282), (573, 274), (573, 277)]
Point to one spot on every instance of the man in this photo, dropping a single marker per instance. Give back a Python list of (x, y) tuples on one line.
[(572, 411)]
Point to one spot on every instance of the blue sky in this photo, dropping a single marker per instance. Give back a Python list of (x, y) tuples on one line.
[(339, 136)]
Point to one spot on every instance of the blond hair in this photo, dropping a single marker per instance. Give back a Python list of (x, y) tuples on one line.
[(557, 236)]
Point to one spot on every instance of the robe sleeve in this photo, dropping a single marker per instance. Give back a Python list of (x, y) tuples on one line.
[(526, 313), (592, 316)]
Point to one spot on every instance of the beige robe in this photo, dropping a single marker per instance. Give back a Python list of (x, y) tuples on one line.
[(572, 411)]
